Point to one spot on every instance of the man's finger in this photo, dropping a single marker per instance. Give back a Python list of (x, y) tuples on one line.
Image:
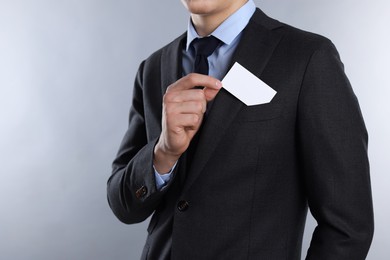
[(210, 93), (184, 96), (193, 80), (188, 121), (192, 107)]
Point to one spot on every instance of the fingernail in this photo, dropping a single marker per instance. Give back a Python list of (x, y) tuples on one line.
[(218, 84)]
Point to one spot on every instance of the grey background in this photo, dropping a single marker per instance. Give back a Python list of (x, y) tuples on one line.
[(66, 74)]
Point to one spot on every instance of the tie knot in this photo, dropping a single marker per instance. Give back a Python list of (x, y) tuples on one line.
[(205, 46)]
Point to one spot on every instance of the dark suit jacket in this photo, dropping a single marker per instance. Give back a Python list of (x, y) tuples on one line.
[(256, 168)]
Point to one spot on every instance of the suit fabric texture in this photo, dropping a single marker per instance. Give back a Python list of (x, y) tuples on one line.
[(257, 169)]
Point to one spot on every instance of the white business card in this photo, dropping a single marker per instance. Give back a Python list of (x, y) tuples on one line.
[(245, 86)]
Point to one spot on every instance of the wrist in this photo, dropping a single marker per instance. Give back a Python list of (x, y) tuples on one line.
[(163, 160)]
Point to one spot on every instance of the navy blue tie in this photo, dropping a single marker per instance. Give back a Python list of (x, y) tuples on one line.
[(204, 47)]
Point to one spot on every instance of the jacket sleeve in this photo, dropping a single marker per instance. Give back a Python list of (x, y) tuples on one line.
[(333, 151), (131, 189)]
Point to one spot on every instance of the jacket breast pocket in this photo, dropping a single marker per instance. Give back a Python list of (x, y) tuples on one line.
[(260, 112)]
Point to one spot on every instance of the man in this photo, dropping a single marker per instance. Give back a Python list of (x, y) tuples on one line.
[(228, 181)]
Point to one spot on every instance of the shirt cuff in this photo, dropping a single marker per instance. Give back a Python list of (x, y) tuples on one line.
[(163, 179)]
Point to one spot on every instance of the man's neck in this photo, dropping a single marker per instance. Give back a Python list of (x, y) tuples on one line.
[(205, 24)]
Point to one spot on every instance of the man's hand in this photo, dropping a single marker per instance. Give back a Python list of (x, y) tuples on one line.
[(183, 110)]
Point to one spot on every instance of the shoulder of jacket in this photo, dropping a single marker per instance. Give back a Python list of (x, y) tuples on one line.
[(172, 46), (290, 34)]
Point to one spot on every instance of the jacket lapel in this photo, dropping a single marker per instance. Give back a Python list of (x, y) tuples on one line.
[(253, 52), (171, 63)]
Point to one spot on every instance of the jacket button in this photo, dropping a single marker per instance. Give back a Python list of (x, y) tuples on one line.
[(141, 192), (182, 205)]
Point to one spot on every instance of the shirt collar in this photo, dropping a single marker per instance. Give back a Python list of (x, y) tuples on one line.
[(230, 28)]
